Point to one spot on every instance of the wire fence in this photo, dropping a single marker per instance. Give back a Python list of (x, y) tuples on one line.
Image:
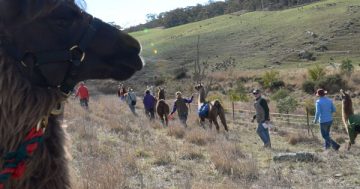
[(298, 121)]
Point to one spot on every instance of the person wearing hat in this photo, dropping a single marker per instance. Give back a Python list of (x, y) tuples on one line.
[(262, 116), (181, 107), (324, 110)]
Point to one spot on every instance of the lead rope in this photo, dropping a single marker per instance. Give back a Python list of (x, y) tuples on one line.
[(15, 162)]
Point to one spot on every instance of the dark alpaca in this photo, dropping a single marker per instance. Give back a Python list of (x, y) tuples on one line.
[(350, 120), (162, 108), (46, 47), (215, 110)]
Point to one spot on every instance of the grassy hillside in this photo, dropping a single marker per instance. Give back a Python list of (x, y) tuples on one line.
[(258, 39)]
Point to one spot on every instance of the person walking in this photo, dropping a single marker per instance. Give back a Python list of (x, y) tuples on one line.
[(121, 92), (181, 107), (262, 117), (324, 110), (83, 93), (130, 98), (149, 104)]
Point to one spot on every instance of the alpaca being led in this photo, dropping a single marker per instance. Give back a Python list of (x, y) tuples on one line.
[(351, 121)]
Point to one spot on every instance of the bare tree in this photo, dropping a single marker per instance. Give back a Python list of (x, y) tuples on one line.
[(202, 68)]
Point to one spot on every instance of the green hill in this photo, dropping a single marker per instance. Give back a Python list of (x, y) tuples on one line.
[(328, 29)]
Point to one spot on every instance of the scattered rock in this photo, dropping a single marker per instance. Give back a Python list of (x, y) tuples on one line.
[(298, 156), (338, 175)]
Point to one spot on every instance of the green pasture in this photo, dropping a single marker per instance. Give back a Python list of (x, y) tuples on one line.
[(262, 38)]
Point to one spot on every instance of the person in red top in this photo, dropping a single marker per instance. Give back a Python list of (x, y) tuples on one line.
[(83, 94)]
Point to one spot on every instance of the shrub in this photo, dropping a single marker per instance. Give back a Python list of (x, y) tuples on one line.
[(308, 87), (287, 104), (307, 55), (347, 67), (269, 78), (280, 94), (332, 83), (316, 72), (180, 73), (277, 85)]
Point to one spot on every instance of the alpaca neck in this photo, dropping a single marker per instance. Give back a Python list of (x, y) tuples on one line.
[(19, 113), (347, 111), (202, 96)]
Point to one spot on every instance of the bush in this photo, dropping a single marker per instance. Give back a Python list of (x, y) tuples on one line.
[(287, 104), (347, 67), (308, 87), (180, 73), (280, 94), (332, 83), (269, 78), (277, 85), (316, 73)]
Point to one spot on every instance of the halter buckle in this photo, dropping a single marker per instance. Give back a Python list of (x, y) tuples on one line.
[(42, 124), (74, 48)]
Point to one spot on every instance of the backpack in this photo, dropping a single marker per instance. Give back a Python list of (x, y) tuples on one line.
[(203, 111)]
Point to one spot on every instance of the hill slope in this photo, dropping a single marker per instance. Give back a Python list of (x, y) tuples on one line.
[(328, 29)]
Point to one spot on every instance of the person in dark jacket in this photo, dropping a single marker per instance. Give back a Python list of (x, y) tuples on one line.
[(262, 117), (181, 107), (149, 104)]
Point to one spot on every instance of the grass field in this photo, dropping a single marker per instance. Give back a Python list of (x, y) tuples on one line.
[(111, 148)]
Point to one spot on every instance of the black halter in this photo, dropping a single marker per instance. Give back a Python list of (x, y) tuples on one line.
[(74, 55)]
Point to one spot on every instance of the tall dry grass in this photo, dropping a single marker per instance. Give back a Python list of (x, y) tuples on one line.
[(111, 148)]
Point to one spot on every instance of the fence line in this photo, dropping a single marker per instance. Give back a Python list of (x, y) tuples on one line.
[(301, 121)]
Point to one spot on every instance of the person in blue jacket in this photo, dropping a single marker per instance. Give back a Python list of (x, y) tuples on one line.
[(324, 110)]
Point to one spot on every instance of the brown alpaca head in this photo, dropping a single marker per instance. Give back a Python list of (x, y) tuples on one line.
[(57, 44), (161, 93), (346, 103), (198, 87)]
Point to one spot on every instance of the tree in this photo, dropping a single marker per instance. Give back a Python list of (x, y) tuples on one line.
[(201, 68), (287, 104), (151, 17), (347, 67)]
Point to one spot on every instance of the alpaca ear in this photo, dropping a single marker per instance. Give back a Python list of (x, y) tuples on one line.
[(9, 9), (13, 12)]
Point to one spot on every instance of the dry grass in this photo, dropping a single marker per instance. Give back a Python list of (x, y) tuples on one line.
[(230, 160), (295, 138), (111, 148), (177, 131), (199, 136), (190, 152)]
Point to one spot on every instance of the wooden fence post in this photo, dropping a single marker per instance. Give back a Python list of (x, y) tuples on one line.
[(308, 123), (233, 110)]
